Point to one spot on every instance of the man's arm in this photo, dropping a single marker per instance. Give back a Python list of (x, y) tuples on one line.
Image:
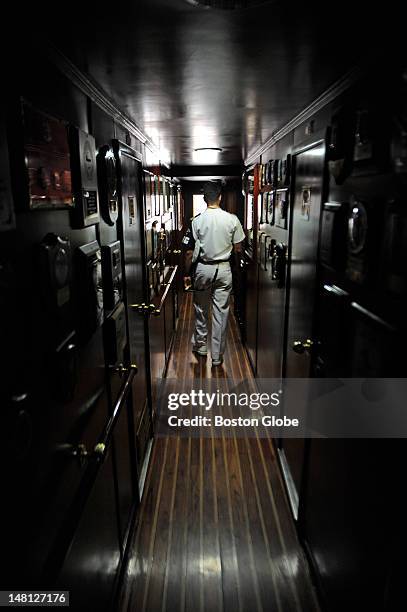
[(237, 253), (188, 264), (238, 242), (188, 244)]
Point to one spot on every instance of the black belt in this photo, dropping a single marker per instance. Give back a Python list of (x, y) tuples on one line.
[(213, 263)]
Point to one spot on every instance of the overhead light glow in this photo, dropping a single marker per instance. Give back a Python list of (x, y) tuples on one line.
[(228, 4), (206, 155)]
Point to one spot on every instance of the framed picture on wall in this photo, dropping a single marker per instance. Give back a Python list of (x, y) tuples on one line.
[(47, 160), (155, 185), (269, 174), (249, 211), (160, 193), (169, 229), (249, 218), (281, 208), (170, 197), (286, 171), (149, 241), (147, 183), (280, 172), (180, 210), (167, 196), (270, 211), (263, 208), (163, 195)]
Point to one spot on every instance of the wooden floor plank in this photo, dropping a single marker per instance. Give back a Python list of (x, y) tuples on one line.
[(139, 562), (193, 575), (155, 596), (173, 536), (212, 565), (231, 588), (284, 548), (215, 532)]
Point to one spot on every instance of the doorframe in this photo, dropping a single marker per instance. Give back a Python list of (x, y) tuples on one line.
[(120, 147), (295, 152), (296, 497), (307, 445)]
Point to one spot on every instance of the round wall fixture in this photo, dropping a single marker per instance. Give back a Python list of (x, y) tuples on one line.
[(228, 4)]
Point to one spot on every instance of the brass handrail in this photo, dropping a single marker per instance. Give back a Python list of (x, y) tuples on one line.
[(152, 309), (168, 284), (101, 447), (70, 523)]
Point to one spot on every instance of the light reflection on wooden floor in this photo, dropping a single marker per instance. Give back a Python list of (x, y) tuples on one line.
[(214, 529)]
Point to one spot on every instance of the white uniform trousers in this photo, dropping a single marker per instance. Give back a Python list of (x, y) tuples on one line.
[(213, 283)]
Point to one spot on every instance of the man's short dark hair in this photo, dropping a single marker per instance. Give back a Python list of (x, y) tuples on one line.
[(212, 190)]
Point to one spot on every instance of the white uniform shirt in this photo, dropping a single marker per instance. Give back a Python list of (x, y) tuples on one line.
[(215, 231)]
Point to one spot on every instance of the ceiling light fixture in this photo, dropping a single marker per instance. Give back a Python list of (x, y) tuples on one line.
[(206, 155), (227, 4), (208, 149)]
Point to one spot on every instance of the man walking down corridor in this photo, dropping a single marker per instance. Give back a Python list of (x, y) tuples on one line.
[(214, 235)]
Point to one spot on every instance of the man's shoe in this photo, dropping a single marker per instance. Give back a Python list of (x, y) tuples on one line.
[(200, 350), (217, 362)]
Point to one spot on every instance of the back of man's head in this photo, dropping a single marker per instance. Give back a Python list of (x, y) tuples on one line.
[(212, 190)]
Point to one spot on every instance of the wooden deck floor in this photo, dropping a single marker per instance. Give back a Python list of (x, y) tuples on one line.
[(214, 529)]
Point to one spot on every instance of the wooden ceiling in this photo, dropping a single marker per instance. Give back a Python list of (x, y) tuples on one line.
[(196, 77)]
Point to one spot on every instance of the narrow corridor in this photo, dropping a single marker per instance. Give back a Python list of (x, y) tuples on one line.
[(214, 528), (118, 130)]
